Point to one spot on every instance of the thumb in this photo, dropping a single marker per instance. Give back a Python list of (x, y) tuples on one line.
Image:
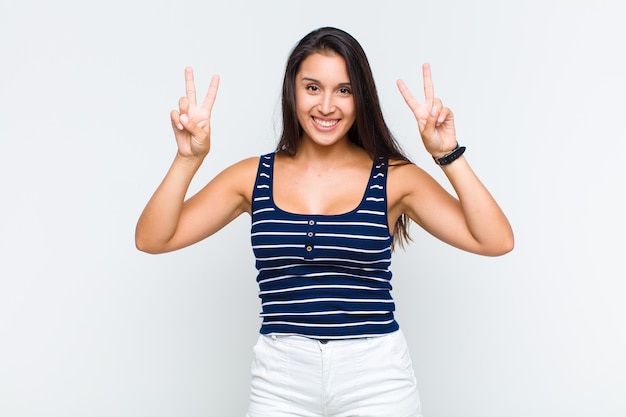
[(195, 130)]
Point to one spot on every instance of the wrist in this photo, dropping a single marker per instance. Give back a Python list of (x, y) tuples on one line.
[(190, 161), (449, 157)]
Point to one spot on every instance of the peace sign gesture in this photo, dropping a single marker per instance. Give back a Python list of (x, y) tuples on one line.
[(436, 123), (191, 123)]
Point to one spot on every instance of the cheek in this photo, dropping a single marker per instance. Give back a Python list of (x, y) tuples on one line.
[(303, 102), (351, 111)]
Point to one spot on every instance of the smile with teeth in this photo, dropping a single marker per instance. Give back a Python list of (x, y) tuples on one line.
[(325, 123)]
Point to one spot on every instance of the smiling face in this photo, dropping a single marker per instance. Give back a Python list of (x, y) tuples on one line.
[(324, 101)]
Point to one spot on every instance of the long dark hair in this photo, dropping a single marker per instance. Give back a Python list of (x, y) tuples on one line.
[(370, 130)]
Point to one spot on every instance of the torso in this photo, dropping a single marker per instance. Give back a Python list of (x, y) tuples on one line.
[(323, 274)]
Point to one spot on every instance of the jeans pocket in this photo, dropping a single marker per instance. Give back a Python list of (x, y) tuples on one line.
[(269, 374), (402, 356)]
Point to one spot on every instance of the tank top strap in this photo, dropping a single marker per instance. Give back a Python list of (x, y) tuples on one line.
[(375, 198), (262, 193)]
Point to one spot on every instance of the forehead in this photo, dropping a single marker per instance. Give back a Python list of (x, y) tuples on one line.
[(326, 64)]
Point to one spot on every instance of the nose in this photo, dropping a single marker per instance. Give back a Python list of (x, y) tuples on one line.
[(327, 104)]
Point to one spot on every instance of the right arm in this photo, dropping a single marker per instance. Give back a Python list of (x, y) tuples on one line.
[(168, 222)]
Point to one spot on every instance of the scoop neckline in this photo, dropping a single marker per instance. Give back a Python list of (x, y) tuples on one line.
[(347, 213)]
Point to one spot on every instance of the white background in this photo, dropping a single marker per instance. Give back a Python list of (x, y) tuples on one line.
[(89, 326)]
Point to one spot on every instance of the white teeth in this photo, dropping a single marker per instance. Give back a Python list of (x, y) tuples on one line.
[(325, 123)]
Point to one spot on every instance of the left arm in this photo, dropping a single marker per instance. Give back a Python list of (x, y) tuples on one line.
[(473, 222)]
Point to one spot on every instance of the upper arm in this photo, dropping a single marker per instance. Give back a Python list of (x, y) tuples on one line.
[(218, 203), (414, 192)]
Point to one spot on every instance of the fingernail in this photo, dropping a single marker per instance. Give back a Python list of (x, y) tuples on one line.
[(184, 118), (179, 126), (433, 111)]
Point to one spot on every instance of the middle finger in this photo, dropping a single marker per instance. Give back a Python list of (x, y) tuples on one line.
[(429, 90)]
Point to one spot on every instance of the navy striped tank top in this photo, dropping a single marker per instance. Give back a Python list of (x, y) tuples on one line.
[(323, 276)]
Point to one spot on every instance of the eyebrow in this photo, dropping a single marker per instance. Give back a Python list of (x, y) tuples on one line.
[(344, 84)]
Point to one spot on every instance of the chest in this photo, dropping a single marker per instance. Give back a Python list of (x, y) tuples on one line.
[(322, 192)]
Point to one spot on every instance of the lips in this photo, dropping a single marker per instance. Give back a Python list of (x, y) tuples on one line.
[(325, 123)]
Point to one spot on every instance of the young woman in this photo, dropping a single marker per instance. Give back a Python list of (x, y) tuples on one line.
[(326, 207)]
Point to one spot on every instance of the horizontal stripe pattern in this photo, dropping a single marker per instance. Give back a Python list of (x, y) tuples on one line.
[(323, 276)]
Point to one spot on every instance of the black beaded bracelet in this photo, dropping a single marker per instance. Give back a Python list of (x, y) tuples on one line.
[(450, 157)]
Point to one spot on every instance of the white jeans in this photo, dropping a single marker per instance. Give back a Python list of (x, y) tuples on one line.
[(296, 376)]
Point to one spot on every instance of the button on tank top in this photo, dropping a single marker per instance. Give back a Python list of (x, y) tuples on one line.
[(323, 276)]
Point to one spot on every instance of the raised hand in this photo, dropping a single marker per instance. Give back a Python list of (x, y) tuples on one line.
[(436, 123), (192, 123)]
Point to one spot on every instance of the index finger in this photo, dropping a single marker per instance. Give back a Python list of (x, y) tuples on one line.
[(429, 90), (209, 99), (406, 94), (190, 86)]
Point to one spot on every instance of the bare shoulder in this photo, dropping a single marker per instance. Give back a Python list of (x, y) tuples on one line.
[(410, 189), (246, 166), (233, 185), (404, 176), (241, 175)]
